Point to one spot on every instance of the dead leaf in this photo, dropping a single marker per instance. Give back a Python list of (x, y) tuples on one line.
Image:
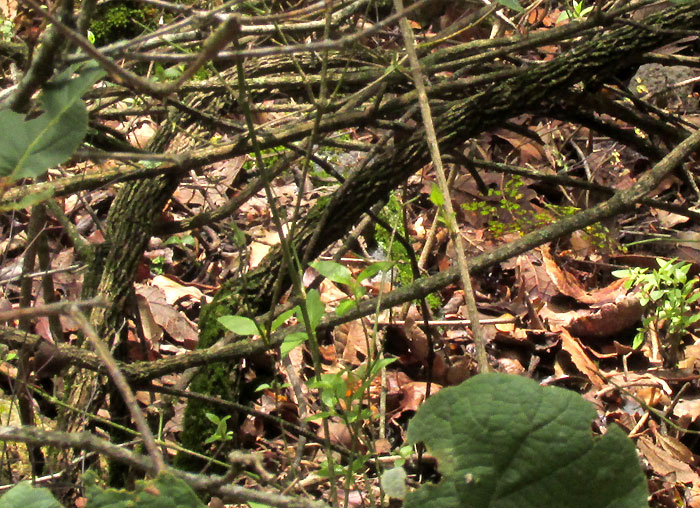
[(174, 291), (677, 449), (688, 409), (506, 327), (413, 395), (339, 433), (579, 357), (175, 323), (665, 464), (417, 339), (568, 285), (609, 320), (151, 331)]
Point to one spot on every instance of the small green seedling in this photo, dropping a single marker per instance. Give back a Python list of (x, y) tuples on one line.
[(666, 295), (577, 11), (221, 433)]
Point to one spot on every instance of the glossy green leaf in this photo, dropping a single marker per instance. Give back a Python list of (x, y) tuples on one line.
[(436, 196), (374, 269), (344, 307)]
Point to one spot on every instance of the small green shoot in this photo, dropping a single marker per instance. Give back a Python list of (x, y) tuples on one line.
[(158, 265), (666, 295), (576, 12), (221, 433), (180, 240)]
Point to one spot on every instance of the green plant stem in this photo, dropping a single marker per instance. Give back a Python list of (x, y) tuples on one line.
[(287, 255)]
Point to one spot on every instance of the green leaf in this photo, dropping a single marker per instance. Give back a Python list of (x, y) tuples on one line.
[(691, 319), (505, 442), (279, 320), (394, 482), (239, 325), (621, 274), (656, 294), (344, 307), (28, 201), (511, 4), (333, 271), (291, 341), (24, 495), (165, 491), (315, 307), (692, 298), (436, 196), (374, 269), (180, 240), (50, 139), (211, 439)]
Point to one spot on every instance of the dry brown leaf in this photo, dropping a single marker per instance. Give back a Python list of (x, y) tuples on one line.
[(338, 431), (355, 344), (652, 396), (688, 409), (151, 331), (260, 247), (568, 285), (579, 357), (665, 464), (174, 291), (510, 366), (529, 151), (692, 357), (677, 449), (609, 320), (506, 327), (413, 395), (175, 323), (534, 279), (461, 369), (330, 294), (417, 339)]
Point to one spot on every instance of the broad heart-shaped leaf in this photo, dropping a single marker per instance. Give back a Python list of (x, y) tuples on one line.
[(165, 491), (29, 147), (24, 495), (505, 442)]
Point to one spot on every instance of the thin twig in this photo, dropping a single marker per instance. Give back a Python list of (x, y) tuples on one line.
[(123, 386), (433, 146), (51, 309)]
